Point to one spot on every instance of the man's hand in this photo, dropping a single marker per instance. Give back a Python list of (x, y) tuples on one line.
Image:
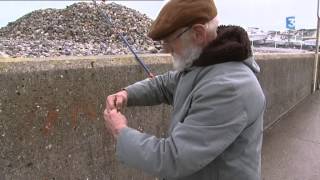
[(114, 121), (117, 101)]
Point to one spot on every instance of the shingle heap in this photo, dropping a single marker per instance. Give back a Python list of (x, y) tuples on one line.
[(77, 30)]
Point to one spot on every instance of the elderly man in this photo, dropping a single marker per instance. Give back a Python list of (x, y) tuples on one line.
[(217, 120)]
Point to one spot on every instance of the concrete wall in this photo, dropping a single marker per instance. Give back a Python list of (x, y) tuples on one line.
[(51, 124), (286, 80)]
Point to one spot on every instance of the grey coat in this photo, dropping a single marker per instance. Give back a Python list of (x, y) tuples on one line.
[(216, 126)]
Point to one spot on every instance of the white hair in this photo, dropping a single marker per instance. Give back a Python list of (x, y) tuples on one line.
[(191, 51), (189, 54)]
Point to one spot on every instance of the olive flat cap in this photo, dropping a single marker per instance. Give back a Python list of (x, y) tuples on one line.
[(177, 14)]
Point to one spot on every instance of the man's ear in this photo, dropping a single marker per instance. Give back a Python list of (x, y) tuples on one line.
[(199, 34)]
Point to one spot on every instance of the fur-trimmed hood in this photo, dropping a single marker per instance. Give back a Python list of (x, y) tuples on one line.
[(232, 44)]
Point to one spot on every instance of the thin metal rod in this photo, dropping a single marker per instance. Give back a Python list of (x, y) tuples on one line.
[(110, 24), (315, 76)]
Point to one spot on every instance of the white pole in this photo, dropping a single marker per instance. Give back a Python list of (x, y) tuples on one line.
[(315, 77), (275, 40), (302, 40)]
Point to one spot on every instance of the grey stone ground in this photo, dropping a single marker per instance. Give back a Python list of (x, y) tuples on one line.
[(291, 148)]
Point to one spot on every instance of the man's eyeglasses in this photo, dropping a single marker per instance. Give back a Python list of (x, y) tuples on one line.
[(166, 46), (180, 34)]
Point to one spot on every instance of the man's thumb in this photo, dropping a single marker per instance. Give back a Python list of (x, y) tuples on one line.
[(114, 111)]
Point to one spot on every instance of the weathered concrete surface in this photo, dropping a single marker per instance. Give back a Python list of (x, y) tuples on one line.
[(51, 124), (286, 80), (291, 148)]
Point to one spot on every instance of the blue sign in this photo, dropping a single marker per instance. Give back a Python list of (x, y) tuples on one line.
[(291, 22)]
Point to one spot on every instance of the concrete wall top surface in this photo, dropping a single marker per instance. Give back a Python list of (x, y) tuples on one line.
[(21, 65)]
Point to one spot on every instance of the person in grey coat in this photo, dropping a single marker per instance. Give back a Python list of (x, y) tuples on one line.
[(216, 124)]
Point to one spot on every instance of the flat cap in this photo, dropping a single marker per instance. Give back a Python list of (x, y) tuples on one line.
[(177, 14)]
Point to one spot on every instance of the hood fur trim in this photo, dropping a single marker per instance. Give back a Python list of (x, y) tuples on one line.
[(231, 44)]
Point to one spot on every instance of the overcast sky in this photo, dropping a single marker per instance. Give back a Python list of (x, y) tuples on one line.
[(265, 14)]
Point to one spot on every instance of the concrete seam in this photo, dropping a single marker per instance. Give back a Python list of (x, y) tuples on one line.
[(305, 140), (286, 113)]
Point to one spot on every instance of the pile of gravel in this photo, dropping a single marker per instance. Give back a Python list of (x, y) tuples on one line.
[(78, 30)]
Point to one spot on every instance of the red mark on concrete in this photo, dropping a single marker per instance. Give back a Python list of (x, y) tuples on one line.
[(91, 112), (51, 118), (82, 108), (74, 115)]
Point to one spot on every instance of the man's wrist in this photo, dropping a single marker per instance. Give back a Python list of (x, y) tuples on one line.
[(125, 92), (118, 130)]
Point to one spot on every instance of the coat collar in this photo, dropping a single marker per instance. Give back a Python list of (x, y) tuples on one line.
[(232, 44)]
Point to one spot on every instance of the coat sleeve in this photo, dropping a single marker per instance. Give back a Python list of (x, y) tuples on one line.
[(153, 91), (216, 117)]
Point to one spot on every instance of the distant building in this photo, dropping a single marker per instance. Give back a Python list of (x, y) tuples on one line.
[(298, 39), (309, 37), (308, 34), (256, 35)]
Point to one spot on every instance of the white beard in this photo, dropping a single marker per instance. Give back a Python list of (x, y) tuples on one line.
[(189, 55)]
